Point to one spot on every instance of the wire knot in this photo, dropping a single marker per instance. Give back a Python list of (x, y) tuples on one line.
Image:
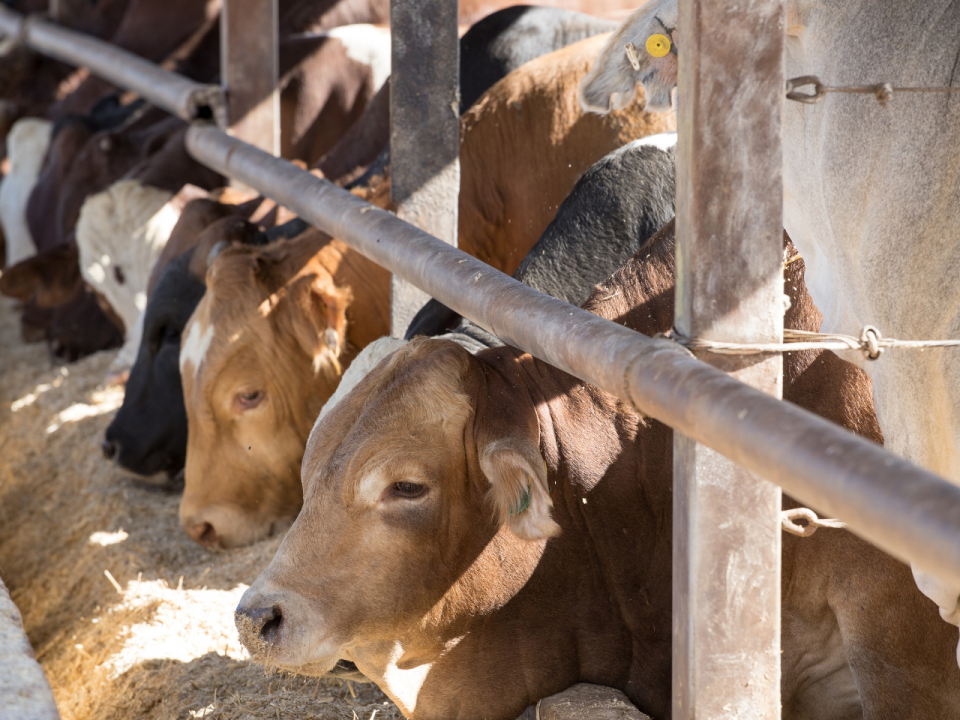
[(813, 522), (870, 339)]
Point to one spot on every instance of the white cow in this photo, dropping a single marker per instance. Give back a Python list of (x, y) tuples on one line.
[(871, 196), (27, 145), (120, 234)]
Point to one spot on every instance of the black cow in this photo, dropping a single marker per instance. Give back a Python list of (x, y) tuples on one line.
[(612, 210), (148, 436)]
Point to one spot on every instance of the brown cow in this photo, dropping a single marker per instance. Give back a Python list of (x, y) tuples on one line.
[(523, 146), (261, 354), (480, 532), (569, 142)]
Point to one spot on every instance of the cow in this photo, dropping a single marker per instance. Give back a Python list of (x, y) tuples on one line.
[(152, 385), (26, 146), (152, 29), (121, 234), (262, 352), (490, 50), (596, 229), (327, 79), (483, 531), (506, 202), (148, 435), (859, 179)]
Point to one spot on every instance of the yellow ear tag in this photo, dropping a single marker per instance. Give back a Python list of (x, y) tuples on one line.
[(658, 45)]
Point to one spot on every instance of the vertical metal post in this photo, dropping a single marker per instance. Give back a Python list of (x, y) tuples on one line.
[(249, 67), (424, 130), (726, 550)]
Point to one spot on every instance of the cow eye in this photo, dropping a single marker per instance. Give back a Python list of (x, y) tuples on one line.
[(249, 399), (406, 489)]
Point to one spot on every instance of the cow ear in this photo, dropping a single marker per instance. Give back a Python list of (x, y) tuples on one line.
[(625, 61), (508, 442), (314, 312)]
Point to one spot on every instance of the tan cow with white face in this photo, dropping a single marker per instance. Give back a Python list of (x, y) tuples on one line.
[(483, 531), (262, 353)]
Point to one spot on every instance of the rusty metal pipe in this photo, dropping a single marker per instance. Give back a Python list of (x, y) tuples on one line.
[(906, 511), (174, 93), (10, 22)]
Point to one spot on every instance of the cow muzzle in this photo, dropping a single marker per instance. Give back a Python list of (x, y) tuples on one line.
[(259, 628), (275, 631)]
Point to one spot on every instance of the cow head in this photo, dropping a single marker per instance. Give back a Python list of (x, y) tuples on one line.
[(426, 508), (612, 84), (260, 356)]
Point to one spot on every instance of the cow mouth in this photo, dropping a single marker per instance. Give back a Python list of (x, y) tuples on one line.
[(346, 670), (162, 481)]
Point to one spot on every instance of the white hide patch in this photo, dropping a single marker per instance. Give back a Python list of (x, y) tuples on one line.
[(27, 145), (366, 361), (665, 141), (120, 234), (404, 685), (195, 347), (369, 45)]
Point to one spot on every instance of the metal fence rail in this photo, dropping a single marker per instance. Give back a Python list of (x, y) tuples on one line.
[(174, 93), (910, 513)]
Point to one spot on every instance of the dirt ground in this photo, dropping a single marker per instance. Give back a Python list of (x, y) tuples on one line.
[(129, 618)]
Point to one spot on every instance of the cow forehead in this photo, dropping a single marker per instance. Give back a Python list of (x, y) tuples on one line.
[(413, 404), (195, 345)]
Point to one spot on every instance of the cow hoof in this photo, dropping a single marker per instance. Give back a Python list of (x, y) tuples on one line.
[(585, 702)]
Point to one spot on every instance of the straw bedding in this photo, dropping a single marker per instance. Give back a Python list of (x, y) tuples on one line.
[(129, 618)]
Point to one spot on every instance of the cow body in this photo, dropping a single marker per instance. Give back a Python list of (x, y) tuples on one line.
[(871, 197), (480, 532), (506, 202), (26, 147), (597, 228), (490, 50)]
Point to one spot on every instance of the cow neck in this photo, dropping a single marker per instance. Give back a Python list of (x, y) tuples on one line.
[(547, 614)]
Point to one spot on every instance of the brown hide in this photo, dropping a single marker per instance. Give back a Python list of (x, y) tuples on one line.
[(323, 93), (29, 81), (523, 146), (362, 143), (152, 29), (299, 16), (261, 354), (199, 213), (407, 559)]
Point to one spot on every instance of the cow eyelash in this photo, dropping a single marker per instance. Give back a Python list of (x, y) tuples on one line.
[(248, 400), (409, 490)]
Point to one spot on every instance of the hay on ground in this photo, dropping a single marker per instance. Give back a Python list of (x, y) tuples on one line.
[(129, 617)]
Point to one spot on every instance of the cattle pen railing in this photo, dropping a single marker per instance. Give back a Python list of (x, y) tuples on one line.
[(906, 511)]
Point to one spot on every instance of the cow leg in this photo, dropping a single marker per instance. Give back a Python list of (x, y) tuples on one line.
[(585, 702), (901, 653)]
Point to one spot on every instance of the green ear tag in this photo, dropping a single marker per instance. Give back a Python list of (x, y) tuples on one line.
[(524, 503)]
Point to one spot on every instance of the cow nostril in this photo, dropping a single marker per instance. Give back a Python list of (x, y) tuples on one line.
[(111, 448), (205, 534), (270, 631), (259, 627)]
